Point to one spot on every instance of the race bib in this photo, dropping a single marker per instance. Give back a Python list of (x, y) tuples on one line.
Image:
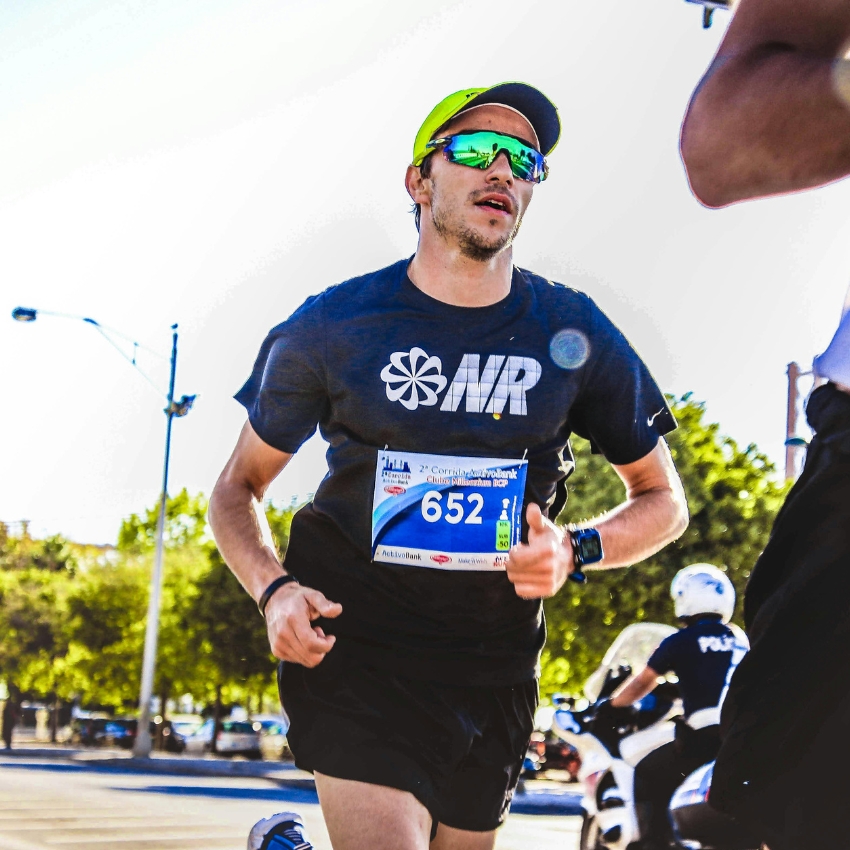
[(451, 513)]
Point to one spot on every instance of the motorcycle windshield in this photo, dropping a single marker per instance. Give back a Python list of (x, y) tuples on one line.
[(633, 647)]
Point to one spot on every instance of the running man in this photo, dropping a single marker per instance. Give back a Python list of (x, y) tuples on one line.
[(408, 613), (772, 116)]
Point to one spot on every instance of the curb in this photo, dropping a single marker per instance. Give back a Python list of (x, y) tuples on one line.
[(549, 799), (281, 773)]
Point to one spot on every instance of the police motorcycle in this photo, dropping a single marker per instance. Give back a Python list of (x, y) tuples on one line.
[(613, 745)]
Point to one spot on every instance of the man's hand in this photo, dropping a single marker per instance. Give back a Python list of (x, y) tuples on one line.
[(539, 568), (289, 619)]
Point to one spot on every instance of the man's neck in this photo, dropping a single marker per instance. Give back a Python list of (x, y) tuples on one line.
[(451, 277)]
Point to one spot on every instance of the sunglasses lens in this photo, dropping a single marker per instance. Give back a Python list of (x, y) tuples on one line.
[(479, 150), (522, 166), (467, 154)]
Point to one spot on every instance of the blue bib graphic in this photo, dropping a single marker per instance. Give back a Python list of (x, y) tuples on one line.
[(443, 512)]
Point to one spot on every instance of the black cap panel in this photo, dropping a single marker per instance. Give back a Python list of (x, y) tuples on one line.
[(533, 104)]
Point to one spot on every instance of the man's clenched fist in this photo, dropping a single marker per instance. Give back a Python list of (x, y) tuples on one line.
[(289, 620), (539, 568)]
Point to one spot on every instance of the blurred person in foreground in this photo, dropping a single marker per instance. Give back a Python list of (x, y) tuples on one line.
[(11, 716), (772, 116), (408, 612)]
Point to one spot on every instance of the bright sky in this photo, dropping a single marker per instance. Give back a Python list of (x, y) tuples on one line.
[(213, 162)]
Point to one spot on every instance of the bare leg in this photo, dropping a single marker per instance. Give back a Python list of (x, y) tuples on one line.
[(449, 838), (362, 816)]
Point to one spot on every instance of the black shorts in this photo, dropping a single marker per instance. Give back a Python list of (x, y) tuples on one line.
[(458, 750)]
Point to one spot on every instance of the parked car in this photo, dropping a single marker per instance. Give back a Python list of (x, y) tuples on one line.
[(85, 728), (273, 729), (105, 731), (117, 732), (172, 740), (178, 728), (235, 737)]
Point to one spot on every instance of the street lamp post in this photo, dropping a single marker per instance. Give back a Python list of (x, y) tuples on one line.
[(793, 442), (142, 745)]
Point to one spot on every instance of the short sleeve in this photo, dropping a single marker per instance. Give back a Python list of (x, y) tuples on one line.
[(286, 394), (620, 408), (663, 660)]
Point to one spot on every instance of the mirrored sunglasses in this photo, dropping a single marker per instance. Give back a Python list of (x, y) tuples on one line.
[(479, 150)]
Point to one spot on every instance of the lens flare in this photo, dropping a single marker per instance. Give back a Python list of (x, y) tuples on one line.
[(569, 349)]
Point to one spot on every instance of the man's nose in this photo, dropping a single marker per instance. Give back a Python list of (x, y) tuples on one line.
[(501, 168)]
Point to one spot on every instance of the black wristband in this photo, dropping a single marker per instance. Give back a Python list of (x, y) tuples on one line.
[(280, 581)]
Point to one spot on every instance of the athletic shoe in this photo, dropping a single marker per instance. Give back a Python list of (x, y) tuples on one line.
[(283, 831)]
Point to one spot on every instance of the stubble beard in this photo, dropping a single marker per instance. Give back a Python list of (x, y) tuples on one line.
[(473, 245)]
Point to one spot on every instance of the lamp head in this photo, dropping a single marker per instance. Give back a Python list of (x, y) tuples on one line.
[(24, 314), (796, 441), (181, 407)]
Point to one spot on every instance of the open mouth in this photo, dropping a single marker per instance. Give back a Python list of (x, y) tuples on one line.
[(496, 203)]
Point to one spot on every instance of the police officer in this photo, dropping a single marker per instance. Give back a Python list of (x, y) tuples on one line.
[(703, 655)]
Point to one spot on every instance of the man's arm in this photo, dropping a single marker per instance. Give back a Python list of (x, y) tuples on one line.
[(244, 539), (635, 688), (772, 113), (655, 513)]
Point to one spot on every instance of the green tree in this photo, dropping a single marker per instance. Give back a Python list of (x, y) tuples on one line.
[(733, 497), (106, 624), (185, 525), (228, 631), (33, 637), (32, 634), (22, 552), (108, 610), (35, 577)]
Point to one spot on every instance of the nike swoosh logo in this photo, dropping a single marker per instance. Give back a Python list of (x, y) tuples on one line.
[(651, 419)]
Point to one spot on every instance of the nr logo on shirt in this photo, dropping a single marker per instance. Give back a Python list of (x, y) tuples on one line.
[(414, 378)]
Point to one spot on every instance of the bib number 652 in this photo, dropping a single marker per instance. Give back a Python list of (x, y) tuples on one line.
[(432, 508)]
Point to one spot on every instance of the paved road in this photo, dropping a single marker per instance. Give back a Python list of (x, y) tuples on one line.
[(48, 804)]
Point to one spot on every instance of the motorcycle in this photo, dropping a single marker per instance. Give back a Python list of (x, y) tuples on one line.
[(611, 750)]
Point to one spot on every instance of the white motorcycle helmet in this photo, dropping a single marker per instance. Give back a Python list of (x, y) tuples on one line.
[(703, 589)]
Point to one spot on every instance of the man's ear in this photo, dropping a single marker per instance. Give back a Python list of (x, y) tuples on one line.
[(418, 187)]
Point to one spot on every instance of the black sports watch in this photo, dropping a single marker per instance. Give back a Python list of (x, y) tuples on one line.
[(587, 549)]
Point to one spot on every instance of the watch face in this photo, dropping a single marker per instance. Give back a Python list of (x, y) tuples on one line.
[(591, 548), (588, 546)]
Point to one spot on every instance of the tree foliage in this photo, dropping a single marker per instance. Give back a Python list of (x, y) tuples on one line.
[(228, 630), (733, 497), (106, 623), (22, 552), (185, 525), (32, 619)]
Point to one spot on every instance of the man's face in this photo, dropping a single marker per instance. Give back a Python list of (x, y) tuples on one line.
[(479, 210)]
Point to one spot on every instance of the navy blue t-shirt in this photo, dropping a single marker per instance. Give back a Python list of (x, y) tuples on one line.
[(376, 363), (700, 656)]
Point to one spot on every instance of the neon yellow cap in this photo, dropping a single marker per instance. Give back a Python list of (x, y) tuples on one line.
[(540, 112)]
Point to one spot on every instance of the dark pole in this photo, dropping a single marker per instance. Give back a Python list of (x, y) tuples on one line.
[(142, 745), (791, 422)]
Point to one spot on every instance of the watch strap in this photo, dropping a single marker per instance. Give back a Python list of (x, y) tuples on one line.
[(578, 538), (279, 582)]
